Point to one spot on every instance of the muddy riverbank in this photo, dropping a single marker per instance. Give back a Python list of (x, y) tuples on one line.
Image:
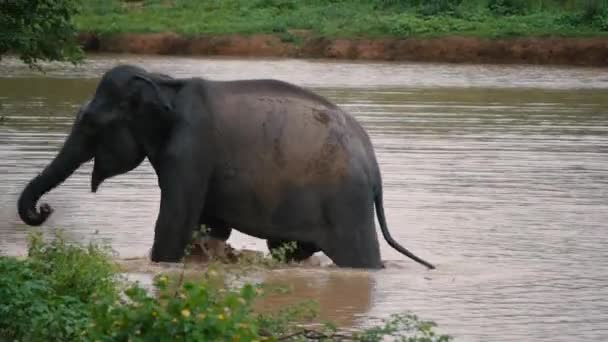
[(300, 44)]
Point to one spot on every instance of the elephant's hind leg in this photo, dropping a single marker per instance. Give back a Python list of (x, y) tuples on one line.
[(359, 249), (300, 252), (352, 240), (220, 232), (216, 229)]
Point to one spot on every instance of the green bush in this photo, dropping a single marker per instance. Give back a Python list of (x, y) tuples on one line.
[(440, 7), (44, 297), (596, 13), (506, 7), (195, 313), (64, 292), (593, 9), (39, 30)]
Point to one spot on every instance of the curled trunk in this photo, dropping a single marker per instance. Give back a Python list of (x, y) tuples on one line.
[(72, 155)]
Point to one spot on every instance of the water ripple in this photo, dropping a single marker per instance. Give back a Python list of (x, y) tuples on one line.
[(506, 189)]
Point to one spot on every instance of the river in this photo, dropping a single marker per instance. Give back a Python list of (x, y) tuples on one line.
[(497, 174)]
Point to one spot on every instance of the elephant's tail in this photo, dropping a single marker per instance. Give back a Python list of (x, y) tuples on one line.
[(387, 236)]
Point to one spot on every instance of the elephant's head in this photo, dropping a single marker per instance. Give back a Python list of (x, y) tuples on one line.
[(127, 100)]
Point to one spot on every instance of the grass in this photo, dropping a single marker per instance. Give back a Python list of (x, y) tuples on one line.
[(67, 292), (349, 18)]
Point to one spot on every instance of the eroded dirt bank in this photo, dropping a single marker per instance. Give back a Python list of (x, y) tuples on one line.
[(565, 51)]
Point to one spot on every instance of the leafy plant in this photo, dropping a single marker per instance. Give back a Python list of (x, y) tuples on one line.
[(407, 327), (197, 312), (440, 7), (44, 297), (593, 9), (506, 7), (281, 253), (39, 30)]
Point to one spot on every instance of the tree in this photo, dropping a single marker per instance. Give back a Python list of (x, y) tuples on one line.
[(39, 30)]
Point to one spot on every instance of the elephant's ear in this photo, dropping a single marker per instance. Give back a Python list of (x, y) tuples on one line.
[(162, 98), (153, 93)]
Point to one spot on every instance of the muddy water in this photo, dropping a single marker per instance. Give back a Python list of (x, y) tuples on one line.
[(497, 174)]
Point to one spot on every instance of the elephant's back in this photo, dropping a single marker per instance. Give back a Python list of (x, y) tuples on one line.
[(298, 134), (283, 154), (270, 140)]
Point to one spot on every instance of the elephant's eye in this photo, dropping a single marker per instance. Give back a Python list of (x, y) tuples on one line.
[(123, 108)]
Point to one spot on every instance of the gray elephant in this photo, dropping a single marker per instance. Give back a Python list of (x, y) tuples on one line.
[(265, 157)]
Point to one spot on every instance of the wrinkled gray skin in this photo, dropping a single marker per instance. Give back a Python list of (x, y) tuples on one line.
[(265, 157)]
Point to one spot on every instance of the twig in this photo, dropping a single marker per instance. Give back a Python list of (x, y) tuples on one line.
[(180, 280), (312, 334)]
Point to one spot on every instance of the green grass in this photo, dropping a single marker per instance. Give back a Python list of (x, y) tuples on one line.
[(66, 292), (349, 18)]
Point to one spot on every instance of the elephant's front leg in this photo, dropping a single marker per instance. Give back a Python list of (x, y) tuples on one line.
[(182, 197)]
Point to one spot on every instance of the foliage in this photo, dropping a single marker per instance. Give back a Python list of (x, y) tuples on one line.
[(64, 292), (439, 7), (39, 30), (408, 328), (349, 18), (43, 298), (197, 312), (506, 7), (281, 253)]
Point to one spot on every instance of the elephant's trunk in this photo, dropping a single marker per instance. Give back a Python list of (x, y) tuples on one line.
[(73, 153)]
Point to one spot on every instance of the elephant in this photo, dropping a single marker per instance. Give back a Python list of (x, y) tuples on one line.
[(268, 158)]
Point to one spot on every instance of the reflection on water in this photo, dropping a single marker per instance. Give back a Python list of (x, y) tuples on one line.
[(499, 175), (343, 296)]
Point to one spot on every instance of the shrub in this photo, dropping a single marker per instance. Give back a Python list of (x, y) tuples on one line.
[(506, 7), (440, 7), (43, 298), (197, 312), (39, 30)]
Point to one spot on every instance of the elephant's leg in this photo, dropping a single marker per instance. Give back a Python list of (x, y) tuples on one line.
[(180, 209), (173, 231), (215, 240), (216, 229), (358, 249), (353, 241), (219, 232), (302, 251)]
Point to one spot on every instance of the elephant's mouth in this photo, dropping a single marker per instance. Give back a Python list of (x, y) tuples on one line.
[(110, 163), (101, 172), (96, 178)]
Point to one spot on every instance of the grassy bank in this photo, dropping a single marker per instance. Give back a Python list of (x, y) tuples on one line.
[(349, 18), (64, 292)]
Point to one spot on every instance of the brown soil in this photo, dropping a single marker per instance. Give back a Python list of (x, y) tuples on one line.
[(567, 51)]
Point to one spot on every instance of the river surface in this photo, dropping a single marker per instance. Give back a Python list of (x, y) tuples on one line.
[(497, 174)]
